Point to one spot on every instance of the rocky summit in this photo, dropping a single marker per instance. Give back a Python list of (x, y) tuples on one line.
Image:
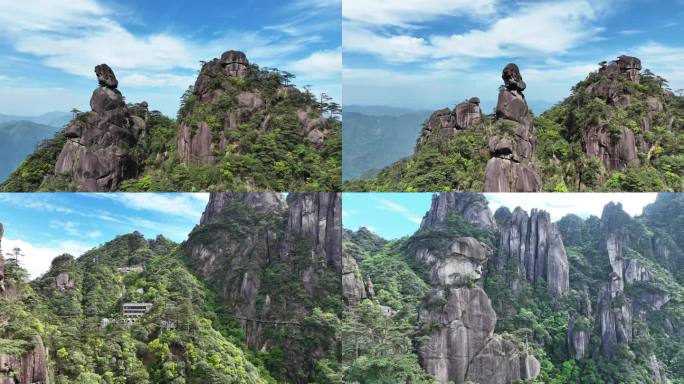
[(221, 86), (445, 123)]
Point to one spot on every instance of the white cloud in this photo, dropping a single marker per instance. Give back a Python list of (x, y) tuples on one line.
[(404, 13), (181, 204), (321, 64), (38, 257), (561, 204), (532, 29), (663, 60), (398, 208)]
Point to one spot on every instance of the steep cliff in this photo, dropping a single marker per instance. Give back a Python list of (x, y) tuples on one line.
[(456, 318), (275, 264), (533, 247)]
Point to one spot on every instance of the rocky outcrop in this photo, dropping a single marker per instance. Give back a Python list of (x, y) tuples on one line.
[(355, 288), (460, 343), (28, 368), (456, 325), (463, 260), (513, 167), (445, 123), (63, 281), (97, 155), (616, 150), (260, 202), (579, 328), (614, 308), (533, 244), (469, 205)]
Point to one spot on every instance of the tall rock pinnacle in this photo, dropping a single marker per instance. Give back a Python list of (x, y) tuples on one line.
[(97, 156), (512, 167)]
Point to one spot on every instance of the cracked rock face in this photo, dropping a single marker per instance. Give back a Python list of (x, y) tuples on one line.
[(445, 123), (535, 245), (464, 258), (461, 344), (512, 167), (260, 202), (30, 367), (355, 288), (97, 154)]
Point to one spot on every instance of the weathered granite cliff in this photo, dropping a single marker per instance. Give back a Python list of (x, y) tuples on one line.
[(98, 155), (30, 367), (457, 323), (273, 261), (513, 167), (533, 245)]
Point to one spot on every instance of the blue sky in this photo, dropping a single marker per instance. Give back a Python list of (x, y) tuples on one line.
[(48, 49), (45, 225), (435, 53), (393, 215)]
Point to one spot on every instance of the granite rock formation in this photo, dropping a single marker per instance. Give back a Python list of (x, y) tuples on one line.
[(97, 156), (457, 324), (461, 344), (30, 367), (617, 151), (534, 245), (355, 287), (446, 123), (512, 167)]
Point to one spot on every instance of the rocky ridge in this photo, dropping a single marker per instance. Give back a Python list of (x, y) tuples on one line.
[(446, 123), (220, 87)]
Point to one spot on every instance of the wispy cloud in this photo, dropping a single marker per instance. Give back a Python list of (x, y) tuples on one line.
[(182, 204), (390, 205)]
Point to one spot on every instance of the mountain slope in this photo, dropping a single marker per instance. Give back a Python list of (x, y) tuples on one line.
[(618, 131), (76, 308), (240, 127), (17, 140)]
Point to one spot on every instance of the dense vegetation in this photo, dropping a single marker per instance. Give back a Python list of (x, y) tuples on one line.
[(455, 165), (458, 165), (181, 340)]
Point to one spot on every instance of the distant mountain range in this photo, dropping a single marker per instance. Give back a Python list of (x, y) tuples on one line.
[(19, 136), (54, 119), (376, 136)]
